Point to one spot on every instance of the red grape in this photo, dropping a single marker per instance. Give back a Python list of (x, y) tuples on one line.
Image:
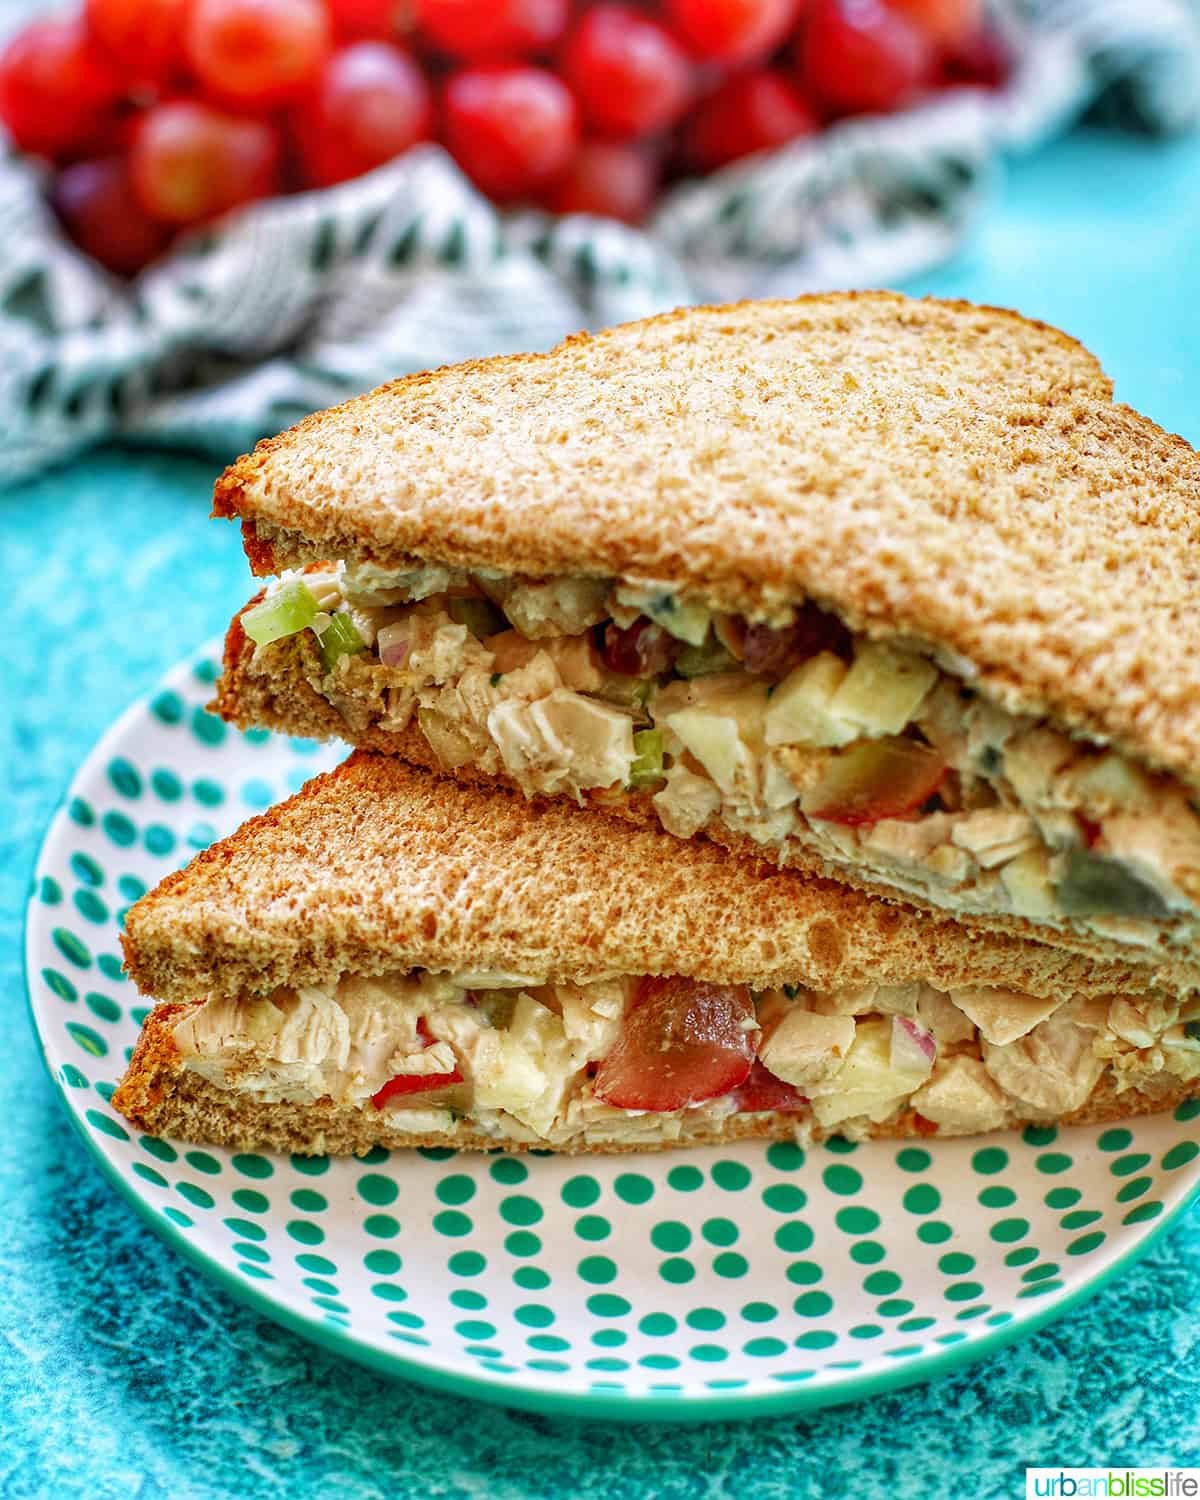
[(257, 52), (629, 74), (613, 179), (144, 38), (511, 128), (945, 22), (980, 60), (750, 112), (642, 650), (191, 161), (370, 104), (376, 19), (479, 29), (96, 202), (55, 87), (858, 56), (732, 31)]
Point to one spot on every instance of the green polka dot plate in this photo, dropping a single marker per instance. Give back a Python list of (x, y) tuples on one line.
[(722, 1282)]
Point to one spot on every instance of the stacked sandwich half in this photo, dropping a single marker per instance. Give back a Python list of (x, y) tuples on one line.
[(772, 720)]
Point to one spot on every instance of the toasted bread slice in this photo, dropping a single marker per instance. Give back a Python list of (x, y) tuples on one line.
[(310, 962), (931, 471), (379, 866)]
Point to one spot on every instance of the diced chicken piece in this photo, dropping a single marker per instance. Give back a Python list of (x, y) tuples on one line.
[(1003, 1015), (859, 1002), (961, 1097), (536, 679), (989, 731), (800, 710), (897, 999), (438, 649), (995, 835), (1126, 1021), (1052, 1070), (449, 743), (1107, 784), (954, 866), (398, 706), (572, 655), (687, 802), (1033, 760), (805, 1048), (591, 1018), (599, 740), (1029, 884), (884, 689), (940, 1016), (558, 606), (562, 738), (908, 841), (437, 1058), (941, 720)]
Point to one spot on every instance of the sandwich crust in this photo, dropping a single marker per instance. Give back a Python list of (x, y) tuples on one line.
[(162, 1098), (930, 470), (273, 690), (379, 866)]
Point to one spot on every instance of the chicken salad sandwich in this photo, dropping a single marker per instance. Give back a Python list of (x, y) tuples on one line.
[(392, 958), (888, 590)]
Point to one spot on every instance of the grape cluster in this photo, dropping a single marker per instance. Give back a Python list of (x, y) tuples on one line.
[(160, 114)]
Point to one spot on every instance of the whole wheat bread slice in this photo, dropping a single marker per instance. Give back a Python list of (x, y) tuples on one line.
[(934, 470), (379, 866)]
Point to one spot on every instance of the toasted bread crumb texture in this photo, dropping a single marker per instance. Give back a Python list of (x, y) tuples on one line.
[(379, 866), (162, 1098), (953, 473)]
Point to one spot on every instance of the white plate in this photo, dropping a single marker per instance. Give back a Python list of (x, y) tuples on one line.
[(716, 1283)]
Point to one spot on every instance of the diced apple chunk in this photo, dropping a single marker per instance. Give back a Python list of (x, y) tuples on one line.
[(799, 712), (1029, 885), (713, 735), (875, 779), (884, 689)]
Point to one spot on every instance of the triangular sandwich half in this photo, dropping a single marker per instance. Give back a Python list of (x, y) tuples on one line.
[(883, 589), (393, 958)]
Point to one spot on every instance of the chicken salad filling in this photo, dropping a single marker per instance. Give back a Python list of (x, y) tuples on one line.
[(879, 757), (630, 1059)]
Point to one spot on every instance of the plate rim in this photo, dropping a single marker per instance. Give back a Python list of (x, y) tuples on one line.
[(528, 1394)]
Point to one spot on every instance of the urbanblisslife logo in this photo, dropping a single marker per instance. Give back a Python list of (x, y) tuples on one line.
[(1114, 1484)]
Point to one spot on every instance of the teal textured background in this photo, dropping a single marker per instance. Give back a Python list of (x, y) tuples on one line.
[(112, 572)]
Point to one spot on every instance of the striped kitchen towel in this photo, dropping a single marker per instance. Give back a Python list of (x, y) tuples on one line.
[(298, 302)]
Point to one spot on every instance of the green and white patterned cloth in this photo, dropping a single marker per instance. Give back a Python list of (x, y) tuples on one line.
[(299, 302)]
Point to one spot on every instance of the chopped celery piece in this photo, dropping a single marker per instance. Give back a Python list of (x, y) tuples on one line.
[(339, 639), (480, 616), (289, 609), (702, 661), (648, 757), (1096, 887)]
